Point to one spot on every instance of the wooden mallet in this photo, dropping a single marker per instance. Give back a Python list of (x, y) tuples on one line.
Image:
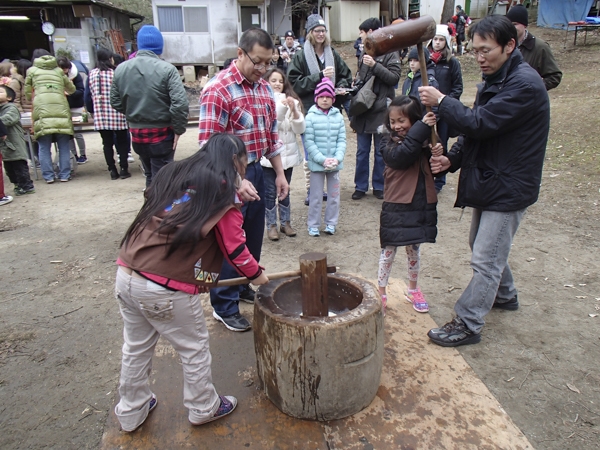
[(401, 35)]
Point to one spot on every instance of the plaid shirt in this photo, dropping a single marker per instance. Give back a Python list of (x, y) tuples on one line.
[(231, 104), (151, 135), (105, 117)]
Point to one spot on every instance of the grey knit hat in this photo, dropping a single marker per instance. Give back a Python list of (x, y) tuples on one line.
[(313, 21)]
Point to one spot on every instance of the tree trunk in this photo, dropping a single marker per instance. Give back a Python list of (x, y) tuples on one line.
[(447, 11)]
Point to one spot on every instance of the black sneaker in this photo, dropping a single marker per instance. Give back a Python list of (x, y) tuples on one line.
[(235, 322), (378, 194), (124, 173), (357, 195), (247, 295), (511, 305), (114, 175), (453, 334)]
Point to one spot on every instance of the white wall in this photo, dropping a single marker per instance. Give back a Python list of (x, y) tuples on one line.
[(281, 21), (203, 48), (346, 16)]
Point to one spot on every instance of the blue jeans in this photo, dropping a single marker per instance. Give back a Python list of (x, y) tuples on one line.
[(490, 239), (64, 156), (361, 173), (271, 197), (225, 300), (154, 157)]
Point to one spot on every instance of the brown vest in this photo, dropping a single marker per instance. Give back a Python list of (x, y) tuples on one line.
[(147, 252), (400, 185)]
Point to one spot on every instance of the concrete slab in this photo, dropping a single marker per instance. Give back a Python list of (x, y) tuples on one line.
[(429, 398)]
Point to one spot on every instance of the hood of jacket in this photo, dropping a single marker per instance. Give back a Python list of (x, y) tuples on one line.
[(46, 62)]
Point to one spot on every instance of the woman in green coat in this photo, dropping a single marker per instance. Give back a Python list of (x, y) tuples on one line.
[(48, 86)]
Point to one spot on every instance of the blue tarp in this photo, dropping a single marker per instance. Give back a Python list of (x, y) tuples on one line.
[(557, 13)]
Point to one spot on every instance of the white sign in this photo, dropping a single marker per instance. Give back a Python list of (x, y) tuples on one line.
[(84, 57), (255, 19)]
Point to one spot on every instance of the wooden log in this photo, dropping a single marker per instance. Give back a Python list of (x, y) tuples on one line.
[(400, 35), (313, 269)]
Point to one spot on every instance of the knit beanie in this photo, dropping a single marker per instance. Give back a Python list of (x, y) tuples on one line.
[(150, 38), (518, 14), (414, 54), (442, 30), (325, 89), (372, 23), (314, 20)]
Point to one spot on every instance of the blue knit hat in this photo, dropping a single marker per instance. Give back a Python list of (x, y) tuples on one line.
[(150, 38)]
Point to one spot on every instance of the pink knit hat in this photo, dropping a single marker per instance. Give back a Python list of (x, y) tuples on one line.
[(325, 89)]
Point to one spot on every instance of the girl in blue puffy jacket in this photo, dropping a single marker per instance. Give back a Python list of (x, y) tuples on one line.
[(325, 141)]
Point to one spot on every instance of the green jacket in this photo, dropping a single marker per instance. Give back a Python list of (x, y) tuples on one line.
[(305, 83), (48, 84), (150, 93), (13, 147)]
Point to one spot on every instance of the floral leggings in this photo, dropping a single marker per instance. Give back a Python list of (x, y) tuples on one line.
[(386, 260)]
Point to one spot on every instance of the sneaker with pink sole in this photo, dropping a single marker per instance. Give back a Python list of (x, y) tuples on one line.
[(418, 300)]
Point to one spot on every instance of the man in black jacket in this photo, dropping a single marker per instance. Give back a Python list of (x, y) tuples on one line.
[(500, 153), (386, 70)]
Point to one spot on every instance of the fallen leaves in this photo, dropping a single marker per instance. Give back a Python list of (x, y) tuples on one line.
[(573, 388)]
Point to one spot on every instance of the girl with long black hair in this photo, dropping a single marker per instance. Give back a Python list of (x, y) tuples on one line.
[(173, 251)]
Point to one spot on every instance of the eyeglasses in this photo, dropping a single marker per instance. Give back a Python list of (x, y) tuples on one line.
[(256, 65), (483, 53), (319, 31)]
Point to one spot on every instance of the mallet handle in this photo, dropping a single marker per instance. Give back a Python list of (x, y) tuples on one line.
[(271, 276), (425, 82)]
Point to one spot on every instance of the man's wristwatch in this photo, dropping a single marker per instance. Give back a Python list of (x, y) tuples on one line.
[(440, 99)]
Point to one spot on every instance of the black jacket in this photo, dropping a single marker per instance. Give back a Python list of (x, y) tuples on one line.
[(76, 98), (449, 77), (387, 73), (503, 139), (412, 84), (407, 170)]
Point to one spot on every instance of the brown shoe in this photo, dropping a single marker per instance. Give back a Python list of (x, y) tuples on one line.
[(287, 229), (272, 233)]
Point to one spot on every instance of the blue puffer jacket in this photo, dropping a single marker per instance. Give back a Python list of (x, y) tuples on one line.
[(325, 137)]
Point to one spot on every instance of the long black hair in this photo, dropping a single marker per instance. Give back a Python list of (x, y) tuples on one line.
[(409, 106), (208, 177), (22, 66), (103, 56)]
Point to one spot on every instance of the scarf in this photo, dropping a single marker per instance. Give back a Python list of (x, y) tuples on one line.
[(313, 61), (435, 56)]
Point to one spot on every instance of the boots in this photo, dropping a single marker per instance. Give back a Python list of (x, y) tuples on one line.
[(114, 174), (287, 229), (272, 233), (125, 173)]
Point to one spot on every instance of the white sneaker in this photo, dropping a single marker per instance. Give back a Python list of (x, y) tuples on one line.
[(130, 158), (6, 199)]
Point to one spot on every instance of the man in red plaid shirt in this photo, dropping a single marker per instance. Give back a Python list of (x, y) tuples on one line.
[(240, 102)]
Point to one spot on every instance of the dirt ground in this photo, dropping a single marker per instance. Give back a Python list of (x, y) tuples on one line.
[(60, 328)]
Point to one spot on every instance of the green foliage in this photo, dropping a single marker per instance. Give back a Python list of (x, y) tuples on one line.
[(141, 7), (62, 51)]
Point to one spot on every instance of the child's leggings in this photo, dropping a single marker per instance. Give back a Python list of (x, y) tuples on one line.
[(386, 260)]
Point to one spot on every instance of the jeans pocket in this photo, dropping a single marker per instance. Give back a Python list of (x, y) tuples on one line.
[(157, 303), (118, 297), (160, 310)]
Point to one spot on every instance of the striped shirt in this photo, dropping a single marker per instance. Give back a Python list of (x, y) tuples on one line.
[(231, 104)]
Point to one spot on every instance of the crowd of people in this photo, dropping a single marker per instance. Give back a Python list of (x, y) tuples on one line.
[(273, 108)]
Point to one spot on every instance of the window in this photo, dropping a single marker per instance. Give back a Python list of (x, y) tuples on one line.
[(179, 19)]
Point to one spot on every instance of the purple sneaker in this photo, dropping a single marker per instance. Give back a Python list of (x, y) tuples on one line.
[(228, 404)]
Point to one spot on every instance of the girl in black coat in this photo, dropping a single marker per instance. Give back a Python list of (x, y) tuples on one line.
[(408, 215)]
